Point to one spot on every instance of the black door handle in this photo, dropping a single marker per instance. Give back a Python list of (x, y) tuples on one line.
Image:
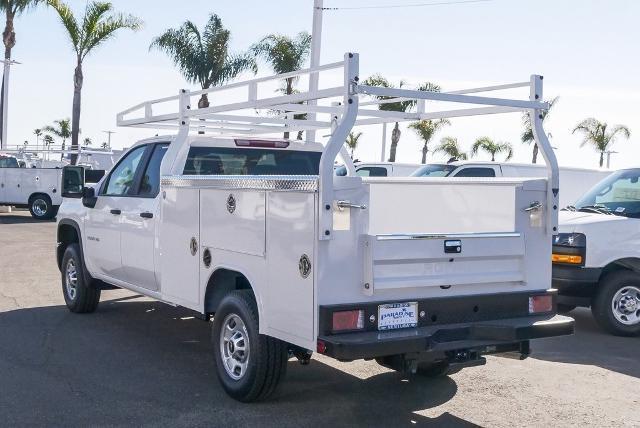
[(146, 215), (116, 212)]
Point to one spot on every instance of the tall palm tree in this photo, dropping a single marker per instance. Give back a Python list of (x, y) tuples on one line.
[(61, 129), (87, 142), (401, 106), (99, 24), (285, 55), (488, 145), (37, 132), (449, 146), (527, 135), (12, 9), (426, 129), (596, 134), (203, 58), (352, 141)]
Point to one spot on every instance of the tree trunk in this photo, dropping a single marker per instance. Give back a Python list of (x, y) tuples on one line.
[(395, 138), (203, 102), (9, 35), (535, 153), (601, 159), (493, 157), (424, 153), (288, 91), (78, 79)]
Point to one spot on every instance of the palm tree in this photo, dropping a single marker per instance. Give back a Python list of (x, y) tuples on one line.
[(99, 24), (87, 142), (352, 141), (37, 132), (449, 146), (61, 129), (401, 106), (285, 55), (527, 135), (13, 8), (47, 140), (426, 129), (491, 147), (203, 57), (596, 134)]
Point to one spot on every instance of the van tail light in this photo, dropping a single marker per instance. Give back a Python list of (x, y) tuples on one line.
[(262, 143), (321, 347), (348, 320), (540, 304)]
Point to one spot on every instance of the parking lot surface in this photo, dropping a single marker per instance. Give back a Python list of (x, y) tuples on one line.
[(138, 362)]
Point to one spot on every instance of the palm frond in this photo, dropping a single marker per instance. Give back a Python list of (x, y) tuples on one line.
[(17, 7), (69, 22)]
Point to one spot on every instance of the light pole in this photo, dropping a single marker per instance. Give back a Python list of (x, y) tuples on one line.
[(109, 137), (5, 101), (609, 157), (316, 46)]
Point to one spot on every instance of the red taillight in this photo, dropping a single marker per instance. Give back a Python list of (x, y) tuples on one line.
[(263, 143), (348, 320), (321, 347), (539, 304)]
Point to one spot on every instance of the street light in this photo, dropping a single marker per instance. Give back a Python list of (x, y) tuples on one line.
[(5, 101)]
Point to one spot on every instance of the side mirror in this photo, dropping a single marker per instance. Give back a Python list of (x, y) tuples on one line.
[(89, 197), (72, 181)]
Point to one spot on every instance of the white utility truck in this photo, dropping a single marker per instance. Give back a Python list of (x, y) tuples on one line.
[(36, 187), (596, 255), (574, 182), (424, 276), (380, 169)]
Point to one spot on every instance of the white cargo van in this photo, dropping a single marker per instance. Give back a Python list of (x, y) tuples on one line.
[(596, 256), (574, 182), (259, 235)]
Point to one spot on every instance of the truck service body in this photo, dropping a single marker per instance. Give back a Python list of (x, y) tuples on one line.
[(289, 258)]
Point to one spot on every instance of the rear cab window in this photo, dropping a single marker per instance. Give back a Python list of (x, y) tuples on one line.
[(9, 162), (372, 171), (476, 172), (251, 161)]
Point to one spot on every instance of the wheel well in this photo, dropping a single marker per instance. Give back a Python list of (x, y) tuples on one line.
[(629, 263), (33, 196), (220, 283), (67, 234)]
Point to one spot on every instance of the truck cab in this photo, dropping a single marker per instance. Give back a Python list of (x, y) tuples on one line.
[(380, 169), (596, 255)]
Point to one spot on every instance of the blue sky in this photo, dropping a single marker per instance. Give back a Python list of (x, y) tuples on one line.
[(584, 48)]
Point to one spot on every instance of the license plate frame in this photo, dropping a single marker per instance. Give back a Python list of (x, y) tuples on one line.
[(395, 316)]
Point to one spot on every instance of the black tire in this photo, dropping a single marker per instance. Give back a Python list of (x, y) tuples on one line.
[(266, 363), (41, 208), (82, 298), (602, 303), (565, 309)]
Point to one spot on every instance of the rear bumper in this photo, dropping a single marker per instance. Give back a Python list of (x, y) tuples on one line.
[(485, 336)]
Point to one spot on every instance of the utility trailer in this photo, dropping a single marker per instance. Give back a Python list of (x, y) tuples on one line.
[(426, 276)]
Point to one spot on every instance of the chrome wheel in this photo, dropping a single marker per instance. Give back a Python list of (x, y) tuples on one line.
[(71, 279), (234, 346), (626, 305), (39, 207)]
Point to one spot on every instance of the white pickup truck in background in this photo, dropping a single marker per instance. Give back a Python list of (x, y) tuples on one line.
[(574, 182), (380, 169), (259, 235)]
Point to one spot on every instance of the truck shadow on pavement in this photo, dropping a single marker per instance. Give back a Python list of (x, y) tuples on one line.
[(140, 362), (21, 218), (591, 345)]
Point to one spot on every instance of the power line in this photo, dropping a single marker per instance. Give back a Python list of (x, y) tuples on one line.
[(399, 6)]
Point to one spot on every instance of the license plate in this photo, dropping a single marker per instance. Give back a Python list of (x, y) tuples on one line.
[(397, 315)]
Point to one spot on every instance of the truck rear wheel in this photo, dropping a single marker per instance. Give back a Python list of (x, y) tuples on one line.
[(616, 306), (79, 297), (41, 208), (249, 365)]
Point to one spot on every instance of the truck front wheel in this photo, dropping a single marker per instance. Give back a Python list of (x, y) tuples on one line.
[(249, 365), (78, 296), (616, 306)]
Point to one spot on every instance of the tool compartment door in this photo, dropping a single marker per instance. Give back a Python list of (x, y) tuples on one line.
[(290, 245)]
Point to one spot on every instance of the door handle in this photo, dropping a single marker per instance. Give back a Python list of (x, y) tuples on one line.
[(116, 212), (146, 215)]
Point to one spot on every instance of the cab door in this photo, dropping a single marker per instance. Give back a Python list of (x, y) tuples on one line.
[(102, 228), (3, 192), (139, 221)]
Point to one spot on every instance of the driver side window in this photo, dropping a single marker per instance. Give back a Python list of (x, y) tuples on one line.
[(122, 178)]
